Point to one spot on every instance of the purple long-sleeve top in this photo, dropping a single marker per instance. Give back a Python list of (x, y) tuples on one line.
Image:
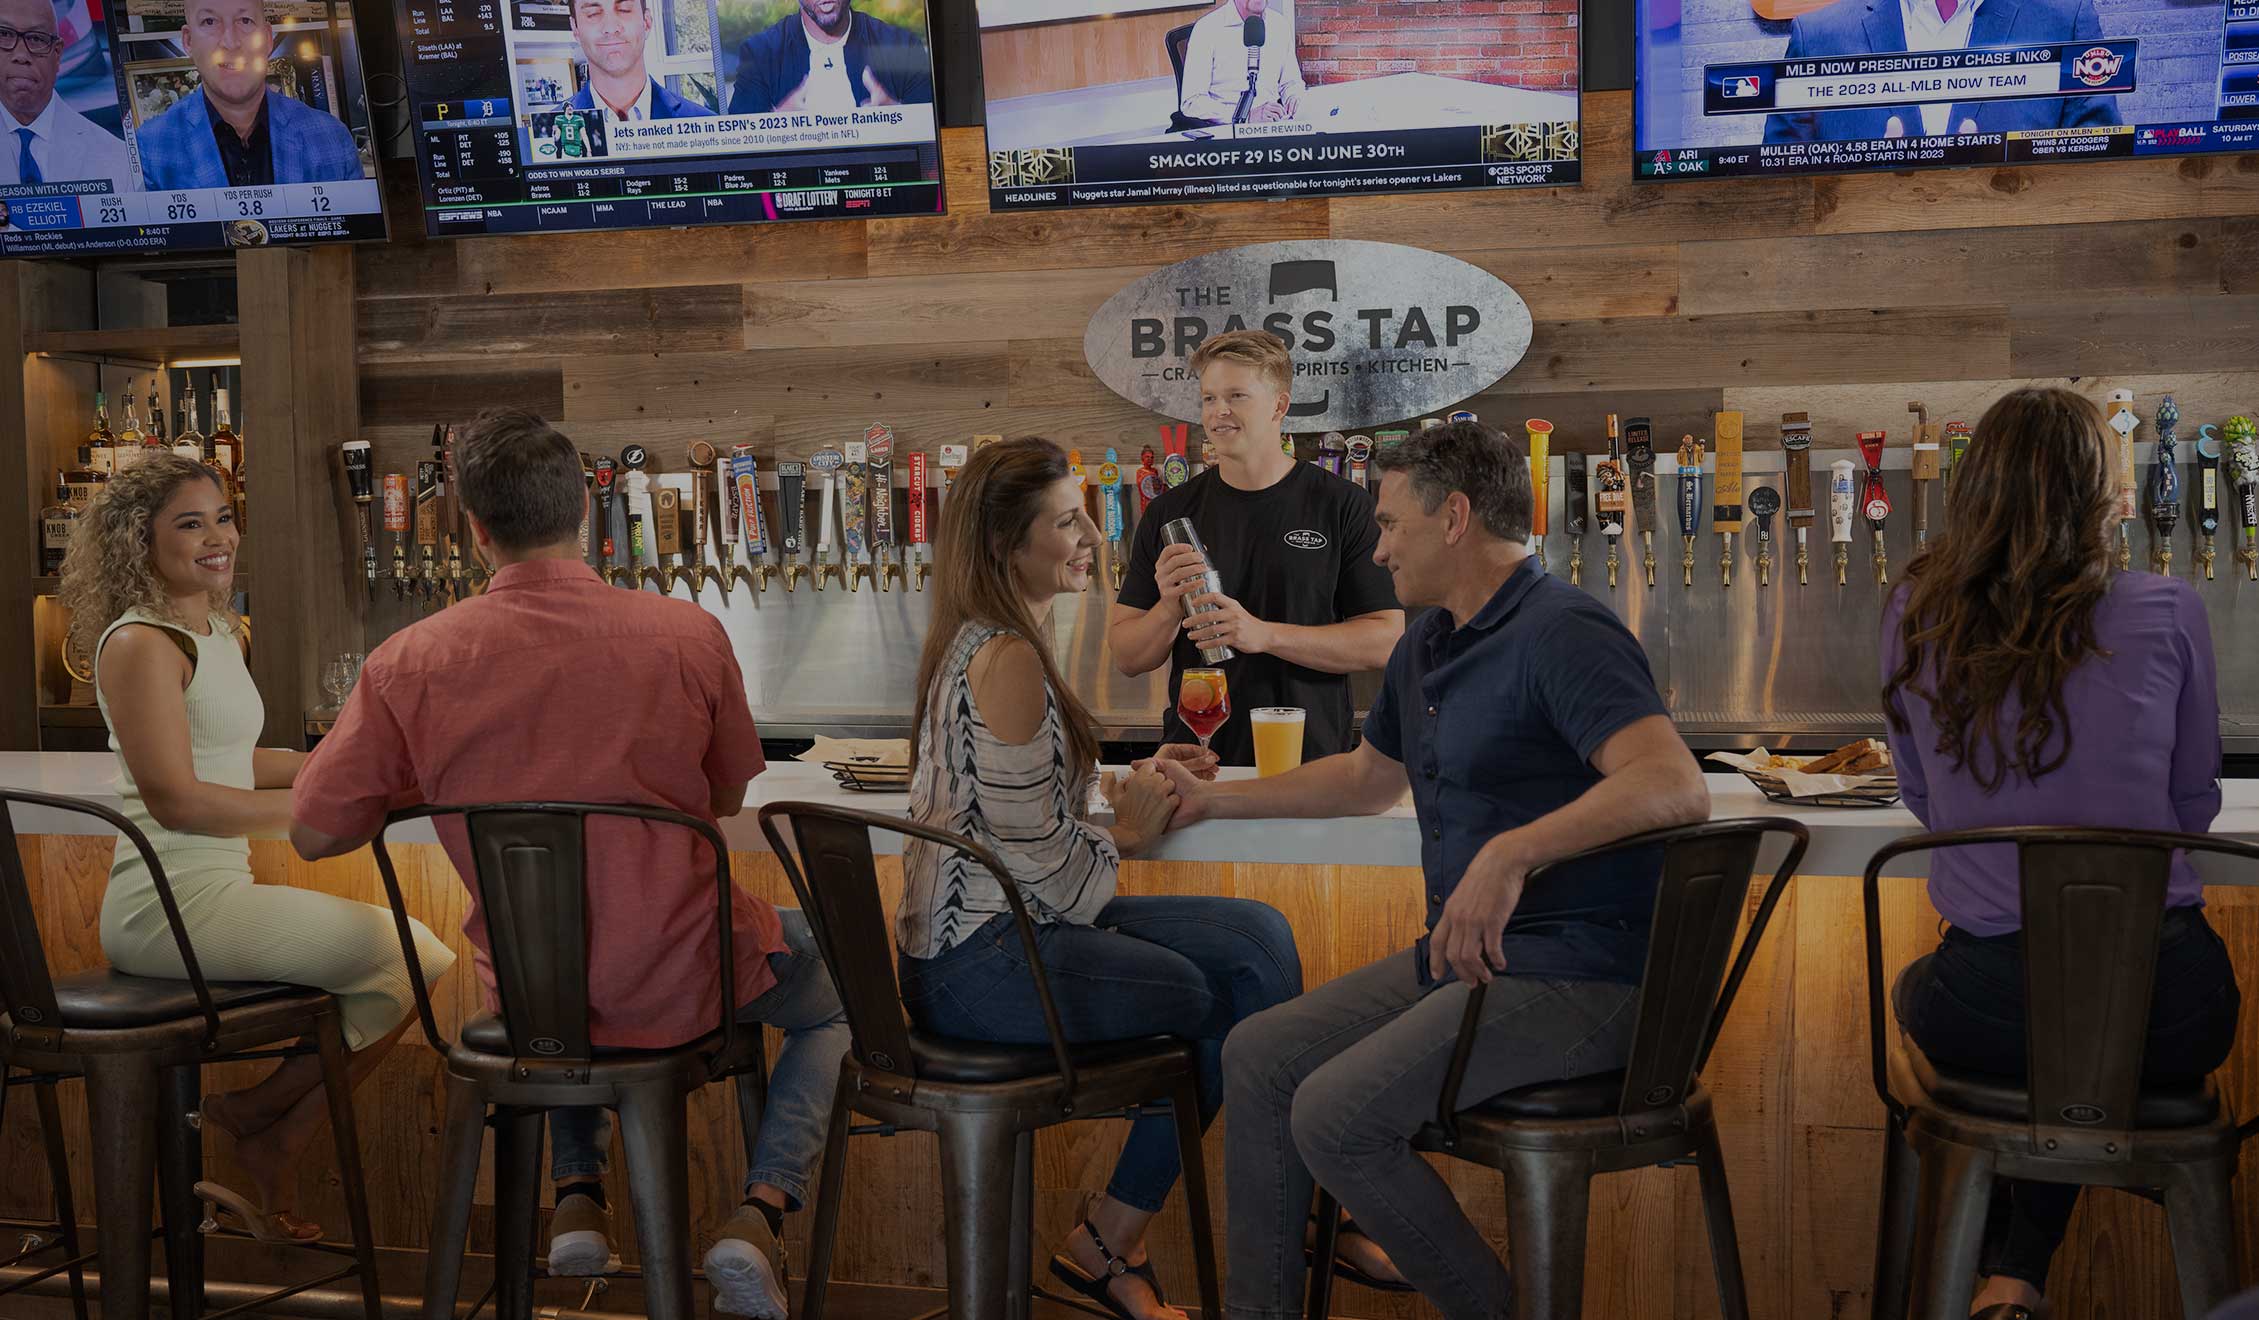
[(2144, 724)]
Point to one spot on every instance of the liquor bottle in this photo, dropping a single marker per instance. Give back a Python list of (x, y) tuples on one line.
[(227, 456), (101, 444), (55, 533), (129, 451), (189, 439), (156, 418), (81, 482)]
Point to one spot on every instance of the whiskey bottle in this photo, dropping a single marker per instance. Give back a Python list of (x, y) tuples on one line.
[(156, 418), (81, 482), (130, 438), (227, 456), (189, 441), (55, 533), (100, 442)]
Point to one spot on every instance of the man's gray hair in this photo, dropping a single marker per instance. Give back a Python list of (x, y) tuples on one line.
[(1472, 459)]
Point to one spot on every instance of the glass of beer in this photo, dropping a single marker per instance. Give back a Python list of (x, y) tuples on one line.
[(1278, 739), (1203, 702)]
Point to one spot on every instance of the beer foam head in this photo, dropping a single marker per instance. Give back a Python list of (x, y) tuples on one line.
[(1276, 715)]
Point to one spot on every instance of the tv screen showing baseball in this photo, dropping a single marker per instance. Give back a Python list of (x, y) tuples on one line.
[(1751, 87), (1233, 100)]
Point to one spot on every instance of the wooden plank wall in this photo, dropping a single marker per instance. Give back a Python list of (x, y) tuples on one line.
[(1799, 1122)]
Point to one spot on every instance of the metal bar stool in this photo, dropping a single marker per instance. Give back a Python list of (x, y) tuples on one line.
[(141, 1044), (2093, 900), (507, 1070), (984, 1101), (1550, 1139)]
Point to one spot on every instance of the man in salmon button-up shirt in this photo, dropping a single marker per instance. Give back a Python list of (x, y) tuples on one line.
[(554, 687)]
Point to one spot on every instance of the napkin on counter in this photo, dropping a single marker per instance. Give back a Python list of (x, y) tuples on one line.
[(877, 753), (1799, 784)]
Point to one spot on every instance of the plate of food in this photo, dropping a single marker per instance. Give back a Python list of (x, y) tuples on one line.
[(1857, 774)]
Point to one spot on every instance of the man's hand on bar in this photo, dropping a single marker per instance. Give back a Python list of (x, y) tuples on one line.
[(1192, 756)]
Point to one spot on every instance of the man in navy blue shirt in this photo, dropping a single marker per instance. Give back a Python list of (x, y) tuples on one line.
[(1523, 717)]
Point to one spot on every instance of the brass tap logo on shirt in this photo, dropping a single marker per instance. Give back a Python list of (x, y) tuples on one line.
[(1305, 539)]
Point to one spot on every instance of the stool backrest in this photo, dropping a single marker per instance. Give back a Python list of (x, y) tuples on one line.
[(27, 990), (529, 864), (836, 877), (2093, 900), (1686, 990)]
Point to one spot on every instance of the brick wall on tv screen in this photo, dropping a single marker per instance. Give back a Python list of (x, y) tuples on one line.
[(1515, 43)]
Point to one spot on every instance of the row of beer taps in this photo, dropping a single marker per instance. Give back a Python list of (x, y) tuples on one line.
[(649, 527), (1617, 491)]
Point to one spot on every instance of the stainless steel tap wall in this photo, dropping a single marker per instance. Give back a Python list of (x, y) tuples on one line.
[(1738, 664)]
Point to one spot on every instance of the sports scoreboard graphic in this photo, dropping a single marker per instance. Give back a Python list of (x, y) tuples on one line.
[(88, 216)]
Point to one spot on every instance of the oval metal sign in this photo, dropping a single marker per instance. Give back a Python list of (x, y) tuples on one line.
[(1379, 332)]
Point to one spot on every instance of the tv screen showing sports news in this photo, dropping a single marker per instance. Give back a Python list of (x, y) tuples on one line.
[(172, 125), (1747, 87), (1230, 100), (552, 115)]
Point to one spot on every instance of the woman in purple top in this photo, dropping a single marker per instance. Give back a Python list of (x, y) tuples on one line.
[(2028, 682)]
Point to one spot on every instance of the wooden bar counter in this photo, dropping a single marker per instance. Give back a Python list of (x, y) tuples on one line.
[(1800, 1123)]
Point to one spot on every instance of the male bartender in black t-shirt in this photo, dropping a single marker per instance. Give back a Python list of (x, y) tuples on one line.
[(1303, 603)]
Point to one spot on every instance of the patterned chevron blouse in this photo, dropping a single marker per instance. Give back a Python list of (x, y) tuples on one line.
[(1020, 800)]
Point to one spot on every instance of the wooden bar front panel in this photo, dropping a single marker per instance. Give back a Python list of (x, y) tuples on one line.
[(1798, 1117)]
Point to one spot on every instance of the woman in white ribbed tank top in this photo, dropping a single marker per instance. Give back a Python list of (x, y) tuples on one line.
[(147, 580)]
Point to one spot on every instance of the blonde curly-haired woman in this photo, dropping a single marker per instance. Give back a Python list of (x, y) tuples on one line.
[(147, 581)]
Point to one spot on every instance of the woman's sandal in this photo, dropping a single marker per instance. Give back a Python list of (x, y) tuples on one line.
[(262, 1224), (1100, 1290), (1348, 1269)]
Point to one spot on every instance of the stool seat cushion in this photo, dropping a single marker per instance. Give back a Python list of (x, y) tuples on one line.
[(106, 1000), (487, 1034), (1594, 1095), (952, 1059), (2005, 1098)]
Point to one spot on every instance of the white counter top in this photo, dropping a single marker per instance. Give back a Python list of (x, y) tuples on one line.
[(1842, 837)]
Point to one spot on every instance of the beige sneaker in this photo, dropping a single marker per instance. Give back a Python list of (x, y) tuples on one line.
[(746, 1267), (580, 1238)]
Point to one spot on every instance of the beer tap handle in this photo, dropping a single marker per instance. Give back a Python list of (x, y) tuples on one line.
[(916, 518), (1690, 504), (826, 463), (1842, 505), (1614, 562), (2206, 515), (397, 502)]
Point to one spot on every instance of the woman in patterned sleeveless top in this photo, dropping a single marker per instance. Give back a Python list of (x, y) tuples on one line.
[(148, 579), (1004, 755)]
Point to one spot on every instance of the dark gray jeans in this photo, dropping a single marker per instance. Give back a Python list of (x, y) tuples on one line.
[(1332, 1086)]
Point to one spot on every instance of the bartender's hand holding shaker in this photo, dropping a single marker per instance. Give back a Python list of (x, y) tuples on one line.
[(1180, 536), (1143, 801)]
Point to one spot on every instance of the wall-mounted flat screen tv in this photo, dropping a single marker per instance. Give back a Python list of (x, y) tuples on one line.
[(1093, 104), (553, 115), (1753, 87), (178, 125)]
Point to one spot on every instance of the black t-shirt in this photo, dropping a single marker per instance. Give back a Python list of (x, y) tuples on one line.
[(1299, 553)]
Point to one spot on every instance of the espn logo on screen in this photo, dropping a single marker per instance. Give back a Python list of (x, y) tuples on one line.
[(1741, 88)]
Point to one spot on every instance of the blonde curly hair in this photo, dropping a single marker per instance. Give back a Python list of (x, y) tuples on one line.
[(109, 568)]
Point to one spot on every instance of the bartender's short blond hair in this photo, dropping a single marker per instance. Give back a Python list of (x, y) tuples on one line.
[(1258, 349)]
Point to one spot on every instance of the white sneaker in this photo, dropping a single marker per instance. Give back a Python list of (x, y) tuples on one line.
[(580, 1242), (739, 1267)]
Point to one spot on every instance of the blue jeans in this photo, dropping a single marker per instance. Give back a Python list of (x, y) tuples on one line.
[(1189, 966), (804, 1005)]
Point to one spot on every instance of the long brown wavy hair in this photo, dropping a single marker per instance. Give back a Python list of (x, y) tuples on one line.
[(989, 514), (2002, 605), (110, 567)]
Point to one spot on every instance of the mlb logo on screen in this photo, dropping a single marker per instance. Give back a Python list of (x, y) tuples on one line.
[(1741, 88)]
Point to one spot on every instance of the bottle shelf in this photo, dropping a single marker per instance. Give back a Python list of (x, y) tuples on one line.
[(160, 345)]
